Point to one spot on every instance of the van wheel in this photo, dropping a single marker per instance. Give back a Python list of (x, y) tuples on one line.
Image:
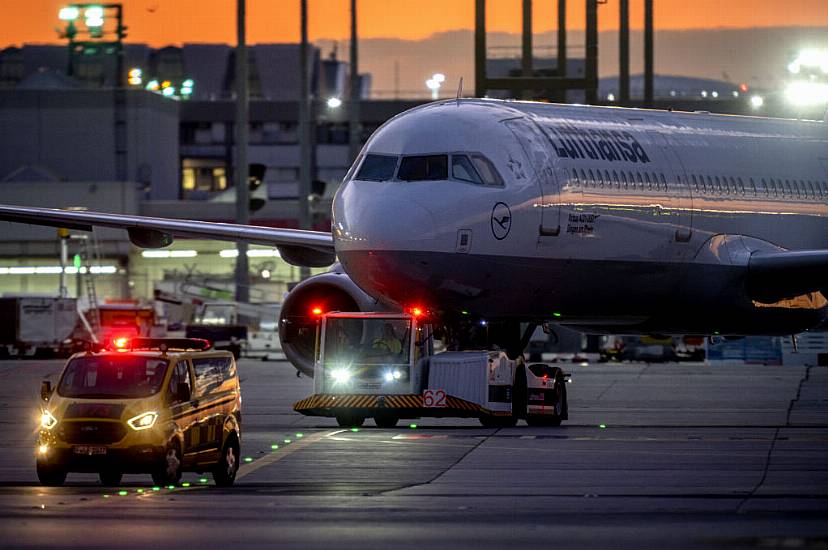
[(224, 473), (350, 420), (386, 421), (169, 471), (51, 475), (110, 478)]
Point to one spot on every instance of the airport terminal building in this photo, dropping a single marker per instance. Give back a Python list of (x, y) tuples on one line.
[(81, 143)]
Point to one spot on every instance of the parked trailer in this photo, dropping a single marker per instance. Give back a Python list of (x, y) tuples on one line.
[(382, 366), (36, 325)]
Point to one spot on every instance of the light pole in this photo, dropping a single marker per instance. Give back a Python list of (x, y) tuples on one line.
[(241, 171), (305, 154), (354, 133)]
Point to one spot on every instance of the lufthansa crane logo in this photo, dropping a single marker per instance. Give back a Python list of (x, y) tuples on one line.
[(501, 220)]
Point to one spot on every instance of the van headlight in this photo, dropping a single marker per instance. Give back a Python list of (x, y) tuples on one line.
[(143, 421), (47, 420)]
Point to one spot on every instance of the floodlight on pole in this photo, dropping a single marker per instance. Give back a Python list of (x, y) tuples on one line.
[(434, 84), (94, 16), (69, 13)]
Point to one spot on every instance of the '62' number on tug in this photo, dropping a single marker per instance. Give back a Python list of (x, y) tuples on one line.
[(433, 399)]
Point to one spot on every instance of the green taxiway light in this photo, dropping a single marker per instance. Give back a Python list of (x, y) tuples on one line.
[(300, 434), (105, 496), (185, 484), (354, 429), (556, 314), (412, 426), (287, 440), (156, 488), (602, 426), (140, 491), (248, 459), (123, 493), (274, 446), (464, 312), (170, 487), (202, 480)]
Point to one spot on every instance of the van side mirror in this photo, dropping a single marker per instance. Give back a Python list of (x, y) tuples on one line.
[(182, 392), (45, 390)]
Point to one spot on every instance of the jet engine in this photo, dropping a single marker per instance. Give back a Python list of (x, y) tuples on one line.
[(331, 291)]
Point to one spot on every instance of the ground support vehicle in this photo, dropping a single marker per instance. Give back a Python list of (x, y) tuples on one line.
[(150, 405), (36, 325), (382, 366)]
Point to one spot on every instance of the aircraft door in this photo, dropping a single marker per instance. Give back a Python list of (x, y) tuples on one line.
[(678, 201), (537, 149)]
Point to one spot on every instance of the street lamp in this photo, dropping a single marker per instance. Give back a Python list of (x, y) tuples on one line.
[(434, 84), (334, 103)]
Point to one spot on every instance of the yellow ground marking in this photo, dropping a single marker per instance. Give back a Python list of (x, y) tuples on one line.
[(276, 456)]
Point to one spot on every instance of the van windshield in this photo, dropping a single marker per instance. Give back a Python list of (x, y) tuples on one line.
[(112, 376)]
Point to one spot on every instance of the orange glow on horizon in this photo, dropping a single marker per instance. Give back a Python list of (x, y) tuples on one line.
[(163, 22)]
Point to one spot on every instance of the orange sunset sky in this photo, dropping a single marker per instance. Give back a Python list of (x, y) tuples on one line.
[(162, 22)]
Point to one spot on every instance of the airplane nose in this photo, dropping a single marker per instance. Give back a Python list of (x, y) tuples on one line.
[(380, 216)]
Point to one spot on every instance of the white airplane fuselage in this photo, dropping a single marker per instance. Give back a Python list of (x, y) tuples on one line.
[(605, 219)]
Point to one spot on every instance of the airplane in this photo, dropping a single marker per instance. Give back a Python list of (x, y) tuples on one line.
[(496, 216)]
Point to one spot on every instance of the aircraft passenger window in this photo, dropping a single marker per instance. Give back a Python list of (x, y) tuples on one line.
[(721, 188), (486, 170), (425, 167), (462, 169), (377, 168)]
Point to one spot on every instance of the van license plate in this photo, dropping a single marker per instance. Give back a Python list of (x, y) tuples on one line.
[(89, 450)]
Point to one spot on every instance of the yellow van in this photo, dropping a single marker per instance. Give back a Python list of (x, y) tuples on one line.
[(147, 405)]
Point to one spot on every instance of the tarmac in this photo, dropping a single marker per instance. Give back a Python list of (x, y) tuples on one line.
[(653, 456)]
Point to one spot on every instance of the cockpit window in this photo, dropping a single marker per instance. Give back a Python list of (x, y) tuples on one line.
[(426, 167), (463, 170), (377, 168), (486, 169)]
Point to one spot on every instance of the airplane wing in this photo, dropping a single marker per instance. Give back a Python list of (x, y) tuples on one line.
[(298, 247), (777, 275)]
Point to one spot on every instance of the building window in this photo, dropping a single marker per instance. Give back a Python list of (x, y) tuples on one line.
[(202, 177)]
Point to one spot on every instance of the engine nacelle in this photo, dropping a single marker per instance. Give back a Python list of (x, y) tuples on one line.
[(331, 291)]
